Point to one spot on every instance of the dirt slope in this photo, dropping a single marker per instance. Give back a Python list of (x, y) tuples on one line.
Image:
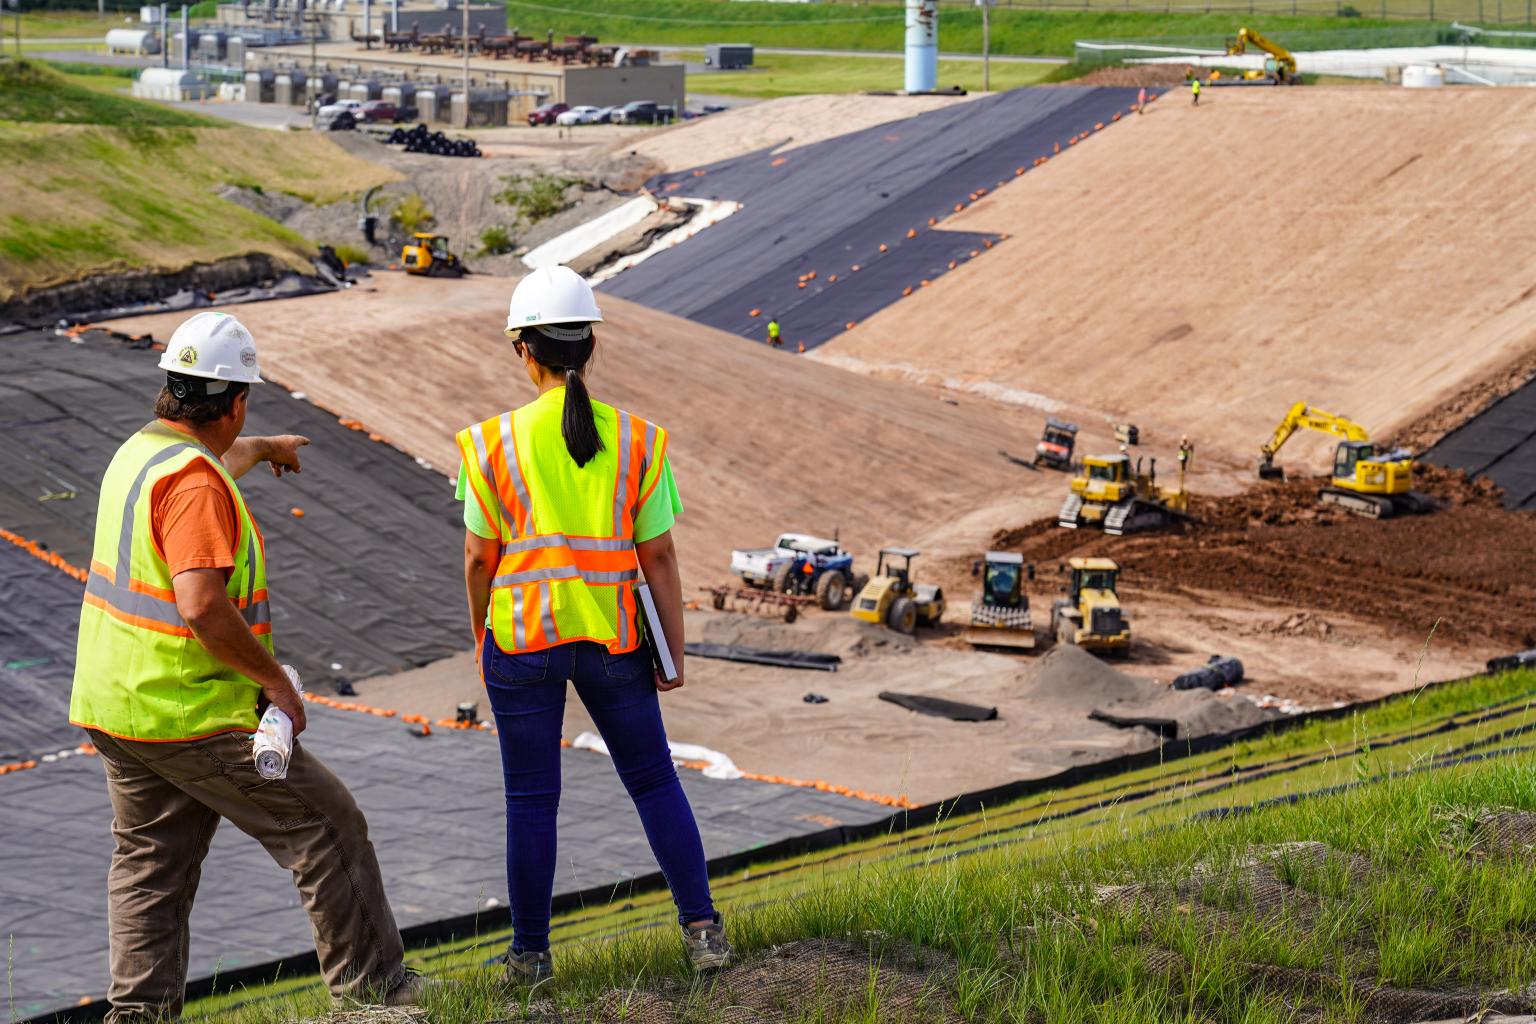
[(763, 441), (1199, 269)]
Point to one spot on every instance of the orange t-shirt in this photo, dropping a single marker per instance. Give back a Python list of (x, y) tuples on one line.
[(193, 518)]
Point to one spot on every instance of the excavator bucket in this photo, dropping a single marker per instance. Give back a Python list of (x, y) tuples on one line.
[(1270, 471)]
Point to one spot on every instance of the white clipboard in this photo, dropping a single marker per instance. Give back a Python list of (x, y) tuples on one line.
[(655, 637)]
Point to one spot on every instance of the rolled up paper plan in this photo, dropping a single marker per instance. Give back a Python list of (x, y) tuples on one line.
[(273, 744)]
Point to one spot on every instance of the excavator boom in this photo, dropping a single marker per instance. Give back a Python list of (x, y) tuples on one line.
[(1285, 63), (1304, 417)]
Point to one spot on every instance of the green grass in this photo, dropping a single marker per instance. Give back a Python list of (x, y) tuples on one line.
[(879, 26), (30, 91), (794, 75), (103, 182), (1009, 894), (63, 24)]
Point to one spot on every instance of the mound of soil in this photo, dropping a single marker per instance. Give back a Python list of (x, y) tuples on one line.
[(1070, 675), (1466, 571), (1134, 75)]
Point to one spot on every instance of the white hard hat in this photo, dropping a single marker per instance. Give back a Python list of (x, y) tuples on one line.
[(214, 346), (552, 296)]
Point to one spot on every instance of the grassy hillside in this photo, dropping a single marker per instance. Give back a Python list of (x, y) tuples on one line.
[(103, 182), (1328, 868), (879, 26), (782, 74)]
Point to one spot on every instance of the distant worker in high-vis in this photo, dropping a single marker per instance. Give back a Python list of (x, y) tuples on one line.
[(774, 339), (1194, 90), (175, 658)]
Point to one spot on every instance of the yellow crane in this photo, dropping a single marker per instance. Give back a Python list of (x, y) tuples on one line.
[(1279, 65), (1367, 482)]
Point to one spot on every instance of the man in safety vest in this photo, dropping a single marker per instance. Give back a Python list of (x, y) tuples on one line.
[(1194, 90), (774, 341), (175, 655)]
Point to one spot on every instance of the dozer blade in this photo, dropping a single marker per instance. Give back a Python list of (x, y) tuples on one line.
[(1015, 639)]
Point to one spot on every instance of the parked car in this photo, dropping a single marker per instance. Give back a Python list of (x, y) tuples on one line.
[(386, 112), (343, 115), (606, 115), (547, 113), (644, 112), (801, 564), (577, 115)]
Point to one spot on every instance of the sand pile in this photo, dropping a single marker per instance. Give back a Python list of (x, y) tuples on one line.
[(1202, 286), (1071, 676)]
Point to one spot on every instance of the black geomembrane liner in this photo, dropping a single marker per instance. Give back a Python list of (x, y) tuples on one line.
[(832, 204), (1499, 443)]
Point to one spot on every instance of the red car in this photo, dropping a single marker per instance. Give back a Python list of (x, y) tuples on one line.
[(381, 110), (547, 113)]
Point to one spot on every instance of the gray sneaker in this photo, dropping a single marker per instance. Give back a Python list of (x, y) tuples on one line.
[(529, 968), (707, 948)]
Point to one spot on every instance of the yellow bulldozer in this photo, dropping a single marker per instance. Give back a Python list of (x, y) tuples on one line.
[(1112, 494), (1001, 617), (1090, 615), (428, 255), (893, 598), (1366, 481)]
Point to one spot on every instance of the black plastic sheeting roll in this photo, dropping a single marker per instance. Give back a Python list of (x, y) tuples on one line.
[(833, 204), (369, 579), (953, 710), (1218, 672), (780, 659)]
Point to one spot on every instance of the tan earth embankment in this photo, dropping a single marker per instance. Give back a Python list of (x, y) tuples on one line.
[(1200, 269)]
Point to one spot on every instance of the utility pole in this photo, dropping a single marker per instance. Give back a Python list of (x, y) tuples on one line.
[(314, 81), (465, 42), (986, 44)]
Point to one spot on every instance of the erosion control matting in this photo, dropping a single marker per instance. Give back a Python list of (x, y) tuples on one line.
[(1499, 443), (39, 613), (832, 205), (364, 547), (435, 813)]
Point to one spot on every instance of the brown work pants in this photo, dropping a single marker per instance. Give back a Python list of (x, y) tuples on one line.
[(167, 799)]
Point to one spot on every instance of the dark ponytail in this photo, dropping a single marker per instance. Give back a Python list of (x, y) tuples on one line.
[(577, 423)]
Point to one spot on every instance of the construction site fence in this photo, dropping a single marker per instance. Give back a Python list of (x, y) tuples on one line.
[(1114, 51)]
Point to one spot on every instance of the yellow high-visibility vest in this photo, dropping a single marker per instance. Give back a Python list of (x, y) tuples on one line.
[(567, 532), (140, 673)]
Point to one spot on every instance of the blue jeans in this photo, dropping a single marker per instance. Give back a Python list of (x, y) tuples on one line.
[(527, 694)]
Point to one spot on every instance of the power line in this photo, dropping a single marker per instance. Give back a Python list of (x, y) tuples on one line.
[(705, 21)]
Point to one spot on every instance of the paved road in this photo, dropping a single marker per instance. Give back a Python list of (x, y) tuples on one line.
[(887, 54)]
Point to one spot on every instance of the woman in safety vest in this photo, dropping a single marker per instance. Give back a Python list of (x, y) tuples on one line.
[(566, 502)]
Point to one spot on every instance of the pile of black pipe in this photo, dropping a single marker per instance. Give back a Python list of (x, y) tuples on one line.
[(1218, 672), (421, 139)]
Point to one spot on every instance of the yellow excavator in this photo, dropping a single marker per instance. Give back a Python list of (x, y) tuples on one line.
[(1279, 66), (1371, 483), (1112, 494), (427, 254)]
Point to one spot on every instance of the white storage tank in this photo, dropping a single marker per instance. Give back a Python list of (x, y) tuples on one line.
[(133, 41), (172, 84), (1423, 76)]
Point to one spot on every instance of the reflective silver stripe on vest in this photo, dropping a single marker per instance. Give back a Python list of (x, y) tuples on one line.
[(509, 456), (622, 487), (478, 437), (560, 540), (132, 602), (561, 572), (650, 454), (519, 639), (125, 532), (546, 613), (513, 579)]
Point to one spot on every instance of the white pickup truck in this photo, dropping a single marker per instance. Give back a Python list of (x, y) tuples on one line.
[(783, 568)]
